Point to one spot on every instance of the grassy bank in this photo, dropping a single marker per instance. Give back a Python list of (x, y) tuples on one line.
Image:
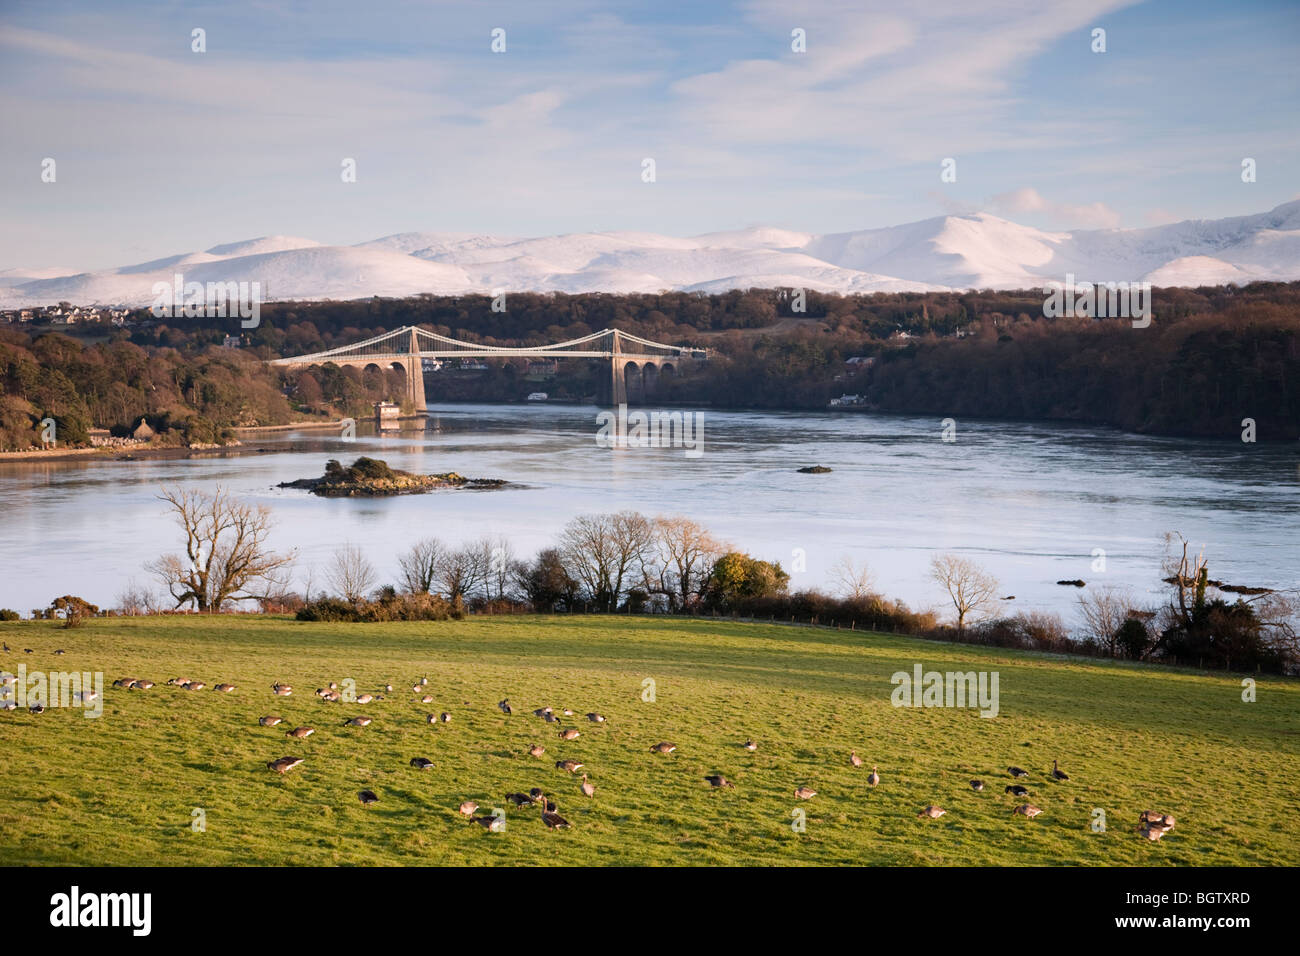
[(123, 788)]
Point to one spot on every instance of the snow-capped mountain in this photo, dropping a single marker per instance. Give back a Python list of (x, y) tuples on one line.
[(947, 252)]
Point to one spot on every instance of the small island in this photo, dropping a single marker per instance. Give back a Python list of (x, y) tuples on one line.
[(372, 478), (814, 470)]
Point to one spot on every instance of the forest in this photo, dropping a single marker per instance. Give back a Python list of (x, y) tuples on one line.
[(1211, 358)]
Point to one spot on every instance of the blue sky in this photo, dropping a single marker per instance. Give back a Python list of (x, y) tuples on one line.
[(161, 150)]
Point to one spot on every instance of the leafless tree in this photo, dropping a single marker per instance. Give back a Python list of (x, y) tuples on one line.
[(971, 589), (227, 558), (678, 564), (851, 580), (420, 566), (603, 551), (1104, 610), (500, 577), (463, 572), (351, 573)]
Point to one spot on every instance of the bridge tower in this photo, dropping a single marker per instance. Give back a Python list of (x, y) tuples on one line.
[(415, 375)]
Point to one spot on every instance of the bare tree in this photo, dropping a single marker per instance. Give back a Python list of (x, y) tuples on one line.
[(420, 566), (971, 589), (351, 573), (227, 558), (679, 562), (463, 572), (1104, 610), (851, 580), (500, 577), (602, 551)]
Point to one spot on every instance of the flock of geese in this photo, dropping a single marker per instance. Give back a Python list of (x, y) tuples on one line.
[(1151, 824)]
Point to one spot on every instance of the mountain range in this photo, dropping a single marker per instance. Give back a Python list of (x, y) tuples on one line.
[(944, 253)]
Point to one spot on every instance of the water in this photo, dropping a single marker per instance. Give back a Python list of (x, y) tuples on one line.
[(1028, 501)]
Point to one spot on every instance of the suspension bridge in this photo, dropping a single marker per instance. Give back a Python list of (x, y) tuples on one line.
[(635, 364)]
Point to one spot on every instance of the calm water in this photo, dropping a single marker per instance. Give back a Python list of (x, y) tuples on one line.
[(1028, 501)]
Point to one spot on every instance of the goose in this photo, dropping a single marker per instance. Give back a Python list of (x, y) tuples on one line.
[(388, 688), (416, 688), (357, 722), (1016, 790), (854, 758), (367, 797), (431, 719), (284, 763), (6, 648), (493, 824), (536, 750), (195, 685), (269, 721), (541, 711), (505, 706), (805, 793), (445, 717), (1027, 810), (141, 685), (282, 690), (120, 682), (977, 785), (664, 748), (365, 698), (552, 819), (321, 692), (424, 680), (1057, 773), (750, 745), (468, 808), (224, 688), (421, 763), (570, 734), (567, 712), (519, 799), (1017, 772), (332, 685), (426, 699), (535, 794), (596, 718), (179, 681), (36, 708), (27, 650), (551, 718), (587, 789), (873, 778), (718, 781), (570, 765), (1164, 821), (300, 733), (1152, 832), (58, 652), (932, 812), (8, 705)]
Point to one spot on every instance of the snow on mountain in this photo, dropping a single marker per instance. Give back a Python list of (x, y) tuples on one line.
[(946, 252)]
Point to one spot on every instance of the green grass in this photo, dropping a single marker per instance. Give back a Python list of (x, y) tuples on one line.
[(121, 789)]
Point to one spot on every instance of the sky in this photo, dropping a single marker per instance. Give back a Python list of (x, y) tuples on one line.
[(160, 150)]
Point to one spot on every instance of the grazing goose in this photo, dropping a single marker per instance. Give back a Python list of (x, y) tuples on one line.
[(1057, 773), (664, 748), (141, 685), (873, 778), (468, 808), (932, 812), (421, 763), (586, 788), (426, 699), (332, 685), (541, 711), (284, 763), (535, 794), (805, 793), (570, 734), (1152, 831), (551, 719), (570, 765), (282, 690), (596, 718), (224, 688), (1017, 772), (121, 682), (750, 745), (519, 799), (1164, 821), (718, 781), (536, 750), (493, 824), (505, 707), (357, 722), (60, 652), (36, 708), (365, 698), (388, 688), (566, 712), (300, 733), (977, 785), (269, 721), (195, 685), (431, 719), (367, 797), (552, 819), (445, 717), (321, 692), (1027, 810), (8, 705), (1016, 790), (854, 758)]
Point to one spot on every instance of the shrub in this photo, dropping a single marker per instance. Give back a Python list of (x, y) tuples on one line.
[(9, 615)]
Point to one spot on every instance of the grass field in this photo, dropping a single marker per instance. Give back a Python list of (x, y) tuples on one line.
[(121, 789)]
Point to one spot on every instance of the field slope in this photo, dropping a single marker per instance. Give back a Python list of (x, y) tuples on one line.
[(123, 789)]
